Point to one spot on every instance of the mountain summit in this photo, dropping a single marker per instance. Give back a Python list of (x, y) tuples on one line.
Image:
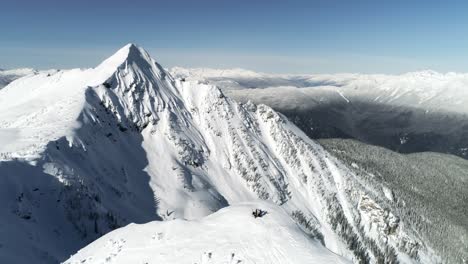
[(130, 54), (84, 152)]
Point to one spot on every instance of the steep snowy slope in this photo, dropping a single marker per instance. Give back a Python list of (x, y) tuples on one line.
[(7, 76), (230, 235), (401, 128), (86, 151), (414, 179)]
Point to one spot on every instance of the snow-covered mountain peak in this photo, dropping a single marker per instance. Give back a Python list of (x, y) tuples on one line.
[(127, 52), (47, 105), (128, 55), (133, 64)]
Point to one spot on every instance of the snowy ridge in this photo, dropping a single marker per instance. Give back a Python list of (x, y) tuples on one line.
[(230, 236), (126, 142)]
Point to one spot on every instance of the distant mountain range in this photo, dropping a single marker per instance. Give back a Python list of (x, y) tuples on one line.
[(413, 112), (7, 76)]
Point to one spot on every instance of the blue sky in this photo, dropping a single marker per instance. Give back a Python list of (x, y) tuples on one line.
[(371, 36)]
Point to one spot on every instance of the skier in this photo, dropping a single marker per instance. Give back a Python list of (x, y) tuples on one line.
[(255, 213), (258, 213)]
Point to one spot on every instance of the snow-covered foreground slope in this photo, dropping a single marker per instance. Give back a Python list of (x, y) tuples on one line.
[(230, 235), (87, 151), (7, 76)]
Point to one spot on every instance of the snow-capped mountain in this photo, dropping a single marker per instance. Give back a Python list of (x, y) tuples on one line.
[(413, 112), (84, 152), (7, 76)]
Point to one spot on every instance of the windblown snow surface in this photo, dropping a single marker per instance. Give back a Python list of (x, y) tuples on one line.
[(84, 152)]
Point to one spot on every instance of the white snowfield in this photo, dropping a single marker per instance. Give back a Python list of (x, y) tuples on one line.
[(429, 90), (231, 235), (84, 152)]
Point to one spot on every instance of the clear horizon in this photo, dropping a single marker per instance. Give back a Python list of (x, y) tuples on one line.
[(269, 36)]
